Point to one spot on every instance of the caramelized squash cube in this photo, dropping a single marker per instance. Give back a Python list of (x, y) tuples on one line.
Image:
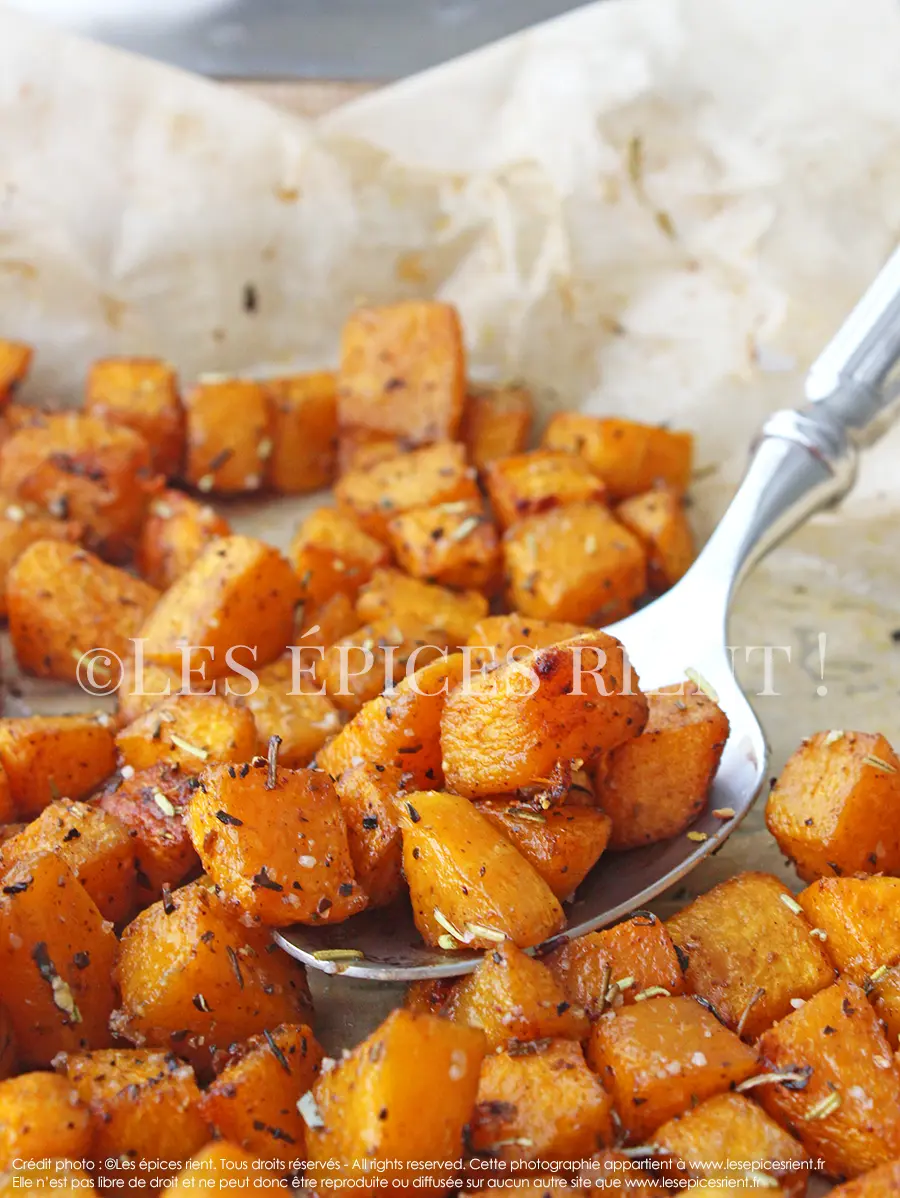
[(189, 731), (375, 1108), (529, 484), (494, 638), (253, 1101), (393, 595), (144, 1109), (662, 1056), (358, 668), (834, 808), (841, 1087), (654, 786), (15, 358), (366, 793), (41, 1116), (426, 477), (749, 952), (403, 370), (175, 533), (94, 845), (56, 954), (514, 999), (463, 873), (715, 1141), (496, 422), (543, 1104), (611, 968), (230, 435), (453, 544), (140, 394), (19, 529), (563, 844), (860, 919), (193, 978), (64, 603), (332, 555), (79, 468), (402, 728), (577, 563), (659, 522), (274, 842), (239, 593), (510, 728), (150, 804), (630, 458), (302, 719), (304, 432), (360, 448), (44, 756)]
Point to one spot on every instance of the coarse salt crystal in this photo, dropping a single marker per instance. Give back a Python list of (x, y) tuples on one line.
[(306, 862)]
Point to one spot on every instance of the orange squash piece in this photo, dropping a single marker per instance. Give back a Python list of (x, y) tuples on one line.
[(403, 370), (494, 638), (15, 358), (304, 720), (631, 458), (366, 793), (662, 1056), (659, 522), (41, 1116), (46, 756), (749, 952), (452, 544), (230, 435), (528, 484), (393, 595), (140, 394), (496, 422), (882, 1182), (843, 1106), (188, 731), (304, 432), (332, 555), (175, 533), (20, 527)]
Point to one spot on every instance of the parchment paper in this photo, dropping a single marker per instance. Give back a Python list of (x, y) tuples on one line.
[(654, 207)]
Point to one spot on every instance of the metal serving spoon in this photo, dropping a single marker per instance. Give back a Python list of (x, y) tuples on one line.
[(804, 460)]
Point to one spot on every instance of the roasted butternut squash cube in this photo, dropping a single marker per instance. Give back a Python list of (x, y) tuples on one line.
[(610, 969), (219, 1164), (303, 457), (366, 793), (150, 804), (877, 1183), (41, 1116), (493, 639), (630, 458), (140, 394), (144, 1108), (453, 544), (360, 448), (662, 1056), (428, 996), (654, 786), (402, 728), (94, 845), (659, 522), (749, 952), (274, 842), (175, 533), (884, 995), (393, 595), (193, 978), (360, 667), (468, 885), (514, 999), (20, 527), (426, 477), (373, 1107), (528, 484), (302, 719), (857, 919), (230, 435), (15, 358), (540, 1104), (253, 1101), (718, 1141), (56, 954), (577, 563), (189, 731), (45, 756), (403, 370), (332, 555), (496, 422), (64, 603), (563, 844), (79, 468), (144, 684), (834, 808), (840, 1087), (317, 629), (239, 592), (510, 728)]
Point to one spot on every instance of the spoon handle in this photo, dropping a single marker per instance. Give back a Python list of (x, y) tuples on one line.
[(806, 459)]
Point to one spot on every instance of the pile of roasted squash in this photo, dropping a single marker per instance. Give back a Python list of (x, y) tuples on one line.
[(416, 698)]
